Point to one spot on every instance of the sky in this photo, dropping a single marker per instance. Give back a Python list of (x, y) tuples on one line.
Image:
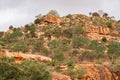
[(21, 12)]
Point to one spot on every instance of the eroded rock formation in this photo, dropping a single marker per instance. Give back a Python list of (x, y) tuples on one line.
[(21, 56), (52, 19)]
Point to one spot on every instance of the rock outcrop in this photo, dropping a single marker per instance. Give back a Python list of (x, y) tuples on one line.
[(58, 76), (99, 72), (21, 56), (52, 19)]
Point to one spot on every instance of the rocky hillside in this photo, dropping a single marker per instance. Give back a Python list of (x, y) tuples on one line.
[(73, 47)]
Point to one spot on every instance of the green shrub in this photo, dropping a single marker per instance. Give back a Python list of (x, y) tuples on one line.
[(30, 28), (78, 30), (27, 70), (71, 64), (61, 45), (18, 46), (14, 35), (114, 48), (7, 59), (98, 21), (58, 55), (37, 21), (92, 44), (57, 32), (9, 72), (88, 55), (109, 24), (76, 73), (104, 39), (34, 70), (79, 42), (100, 50), (68, 32), (2, 43)]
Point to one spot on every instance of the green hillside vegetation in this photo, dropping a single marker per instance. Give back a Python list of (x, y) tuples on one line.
[(66, 43)]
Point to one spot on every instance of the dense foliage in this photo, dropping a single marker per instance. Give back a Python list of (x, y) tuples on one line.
[(27, 70)]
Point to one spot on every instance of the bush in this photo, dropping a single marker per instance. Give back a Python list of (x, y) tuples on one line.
[(18, 46), (88, 55), (79, 30), (104, 39), (100, 50), (9, 72), (58, 55), (27, 70), (114, 51), (109, 24), (57, 32), (37, 21), (7, 59), (114, 48), (30, 28), (79, 42), (53, 12), (34, 70), (2, 43), (55, 44), (76, 73), (93, 44), (71, 64), (38, 45), (14, 35), (68, 32)]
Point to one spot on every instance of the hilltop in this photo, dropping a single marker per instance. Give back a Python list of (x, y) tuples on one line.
[(72, 44)]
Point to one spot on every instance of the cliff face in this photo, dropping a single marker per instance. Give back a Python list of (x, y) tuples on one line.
[(94, 72), (97, 32), (100, 72)]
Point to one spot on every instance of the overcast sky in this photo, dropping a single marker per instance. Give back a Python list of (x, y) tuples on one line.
[(21, 12)]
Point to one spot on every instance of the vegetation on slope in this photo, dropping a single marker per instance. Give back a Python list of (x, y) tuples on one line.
[(67, 43)]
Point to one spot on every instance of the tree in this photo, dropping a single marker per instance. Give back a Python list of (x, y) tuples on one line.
[(53, 12), (37, 21), (100, 12), (105, 15), (39, 16), (95, 14), (11, 27)]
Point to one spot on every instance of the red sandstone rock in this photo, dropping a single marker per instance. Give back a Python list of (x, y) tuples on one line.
[(52, 19)]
